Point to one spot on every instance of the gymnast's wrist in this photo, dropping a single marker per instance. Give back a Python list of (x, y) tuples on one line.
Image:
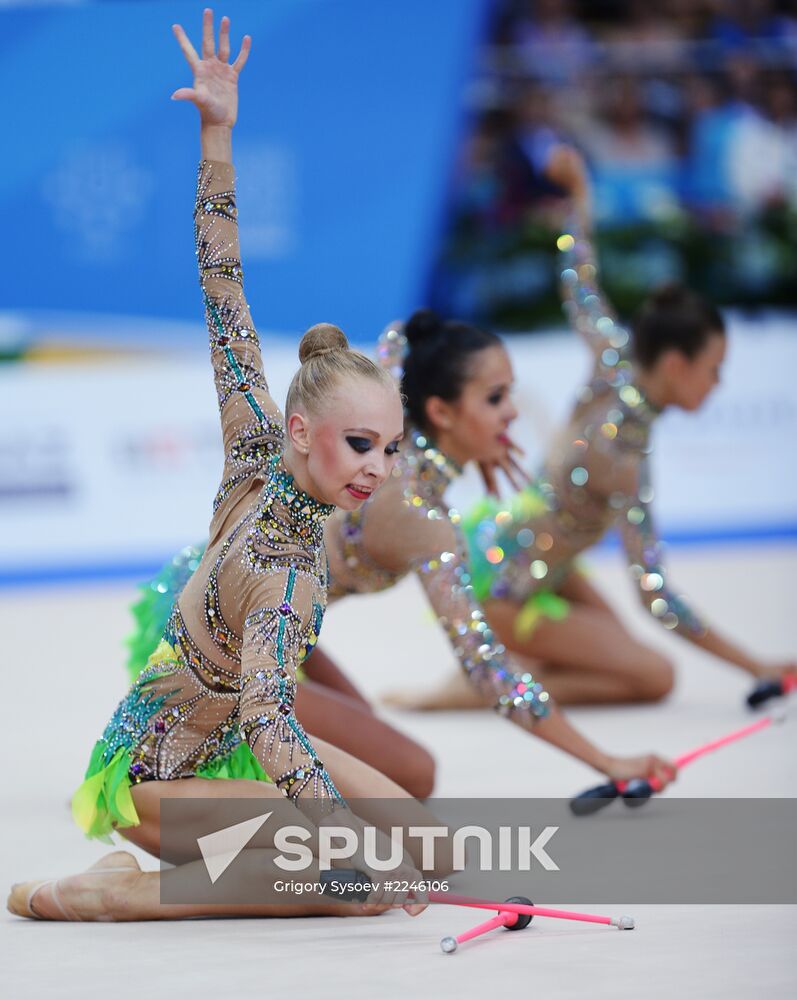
[(216, 142), (603, 763), (756, 668), (594, 757)]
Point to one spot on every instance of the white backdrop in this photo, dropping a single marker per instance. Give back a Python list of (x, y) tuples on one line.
[(107, 467)]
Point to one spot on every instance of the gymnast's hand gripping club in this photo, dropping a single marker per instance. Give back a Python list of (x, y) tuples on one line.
[(765, 690), (638, 790)]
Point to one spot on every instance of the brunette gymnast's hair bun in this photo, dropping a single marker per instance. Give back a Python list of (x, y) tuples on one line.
[(321, 339), (674, 317), (669, 294), (438, 361), (423, 325)]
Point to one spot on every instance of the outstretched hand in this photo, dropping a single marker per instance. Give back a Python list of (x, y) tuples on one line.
[(567, 169), (215, 90)]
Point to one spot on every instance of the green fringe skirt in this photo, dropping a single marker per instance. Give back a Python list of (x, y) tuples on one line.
[(104, 801)]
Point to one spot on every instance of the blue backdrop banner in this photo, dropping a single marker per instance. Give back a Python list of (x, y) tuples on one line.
[(347, 125)]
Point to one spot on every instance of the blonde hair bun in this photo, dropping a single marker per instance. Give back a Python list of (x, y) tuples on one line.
[(327, 362), (321, 339)]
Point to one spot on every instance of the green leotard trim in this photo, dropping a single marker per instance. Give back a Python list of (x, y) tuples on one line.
[(543, 604), (509, 518), (104, 803), (241, 763), (152, 609)]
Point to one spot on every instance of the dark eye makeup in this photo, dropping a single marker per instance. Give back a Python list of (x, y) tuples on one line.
[(362, 445)]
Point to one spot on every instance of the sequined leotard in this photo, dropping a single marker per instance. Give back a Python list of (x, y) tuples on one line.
[(596, 475), (405, 527), (408, 527), (216, 698)]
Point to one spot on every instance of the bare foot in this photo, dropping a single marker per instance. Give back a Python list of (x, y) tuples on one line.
[(78, 897), (456, 694)]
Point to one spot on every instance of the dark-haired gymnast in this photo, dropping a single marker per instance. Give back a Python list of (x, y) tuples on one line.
[(596, 476)]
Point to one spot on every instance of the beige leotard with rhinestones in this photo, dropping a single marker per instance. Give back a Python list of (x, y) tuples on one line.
[(595, 476), (407, 527), (226, 669)]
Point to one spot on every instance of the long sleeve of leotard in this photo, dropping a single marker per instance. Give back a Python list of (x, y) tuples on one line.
[(586, 307), (251, 422), (445, 580), (282, 610), (391, 349), (643, 550)]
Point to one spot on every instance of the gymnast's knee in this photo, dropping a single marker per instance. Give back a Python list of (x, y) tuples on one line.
[(418, 772), (657, 679)]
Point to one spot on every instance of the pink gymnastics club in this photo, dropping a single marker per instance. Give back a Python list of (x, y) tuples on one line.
[(511, 915), (503, 919), (638, 790)]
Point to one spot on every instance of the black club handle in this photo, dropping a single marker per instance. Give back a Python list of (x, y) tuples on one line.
[(763, 691), (637, 792), (593, 800)]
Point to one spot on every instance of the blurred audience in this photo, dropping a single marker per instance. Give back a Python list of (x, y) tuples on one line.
[(554, 45), (633, 159), (686, 111)]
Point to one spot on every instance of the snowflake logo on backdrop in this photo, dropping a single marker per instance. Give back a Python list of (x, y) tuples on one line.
[(98, 193), (268, 199)]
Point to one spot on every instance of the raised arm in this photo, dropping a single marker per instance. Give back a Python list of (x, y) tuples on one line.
[(391, 349), (252, 426), (587, 309)]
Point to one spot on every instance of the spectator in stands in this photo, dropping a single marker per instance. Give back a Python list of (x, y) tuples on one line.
[(781, 108), (739, 25), (635, 168), (554, 45), (725, 114), (535, 134)]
